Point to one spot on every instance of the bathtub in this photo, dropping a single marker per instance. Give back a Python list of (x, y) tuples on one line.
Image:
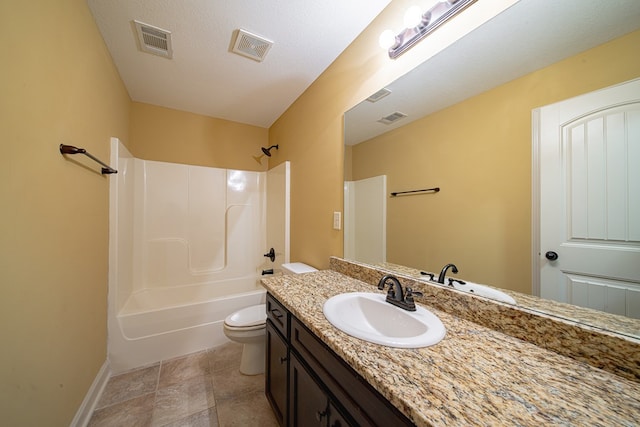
[(158, 324)]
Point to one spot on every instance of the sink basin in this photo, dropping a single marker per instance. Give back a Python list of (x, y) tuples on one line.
[(482, 290), (369, 317), (485, 291)]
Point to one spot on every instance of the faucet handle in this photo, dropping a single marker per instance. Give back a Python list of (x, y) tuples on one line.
[(409, 303), (452, 281), (395, 292), (431, 275), (410, 293)]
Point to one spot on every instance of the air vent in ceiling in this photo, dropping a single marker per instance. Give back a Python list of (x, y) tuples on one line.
[(154, 40), (393, 117), (379, 95), (251, 45)]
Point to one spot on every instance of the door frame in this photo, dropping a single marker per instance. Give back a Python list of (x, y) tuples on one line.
[(535, 201)]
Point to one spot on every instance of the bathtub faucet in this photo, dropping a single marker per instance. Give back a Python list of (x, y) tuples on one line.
[(271, 255)]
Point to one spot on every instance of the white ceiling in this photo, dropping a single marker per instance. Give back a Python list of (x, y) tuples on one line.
[(529, 35), (204, 77)]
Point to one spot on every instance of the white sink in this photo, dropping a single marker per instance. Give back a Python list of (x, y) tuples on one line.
[(485, 291), (482, 290), (369, 317)]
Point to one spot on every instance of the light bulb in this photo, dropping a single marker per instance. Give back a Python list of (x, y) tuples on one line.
[(412, 17), (387, 39)]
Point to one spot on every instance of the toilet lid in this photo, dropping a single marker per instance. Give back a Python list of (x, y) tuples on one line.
[(250, 316)]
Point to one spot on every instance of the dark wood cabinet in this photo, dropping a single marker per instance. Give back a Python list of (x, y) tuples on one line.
[(307, 384), (336, 419), (276, 375), (309, 403)]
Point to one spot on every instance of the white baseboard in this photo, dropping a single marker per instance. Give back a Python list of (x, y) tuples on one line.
[(93, 396)]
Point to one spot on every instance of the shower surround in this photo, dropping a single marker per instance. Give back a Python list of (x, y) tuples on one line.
[(186, 250)]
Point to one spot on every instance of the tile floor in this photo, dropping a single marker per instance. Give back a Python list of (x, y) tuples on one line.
[(197, 390)]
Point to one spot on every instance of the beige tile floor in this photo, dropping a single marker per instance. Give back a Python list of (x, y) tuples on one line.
[(199, 389)]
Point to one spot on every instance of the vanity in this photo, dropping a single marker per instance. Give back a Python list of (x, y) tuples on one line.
[(477, 375), (308, 384)]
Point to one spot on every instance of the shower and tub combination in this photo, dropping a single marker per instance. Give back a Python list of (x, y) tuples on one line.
[(186, 250)]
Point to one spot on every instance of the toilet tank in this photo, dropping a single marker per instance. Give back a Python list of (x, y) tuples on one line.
[(297, 268)]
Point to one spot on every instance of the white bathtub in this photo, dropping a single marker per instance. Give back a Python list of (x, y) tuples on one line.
[(158, 324)]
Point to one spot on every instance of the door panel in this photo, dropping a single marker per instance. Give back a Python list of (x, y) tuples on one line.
[(276, 380), (604, 295), (309, 403)]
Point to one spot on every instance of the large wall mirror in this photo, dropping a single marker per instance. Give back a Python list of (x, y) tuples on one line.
[(462, 122)]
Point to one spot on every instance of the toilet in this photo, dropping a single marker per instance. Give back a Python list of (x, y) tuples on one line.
[(247, 326)]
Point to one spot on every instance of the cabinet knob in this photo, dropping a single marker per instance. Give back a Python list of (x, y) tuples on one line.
[(320, 415)]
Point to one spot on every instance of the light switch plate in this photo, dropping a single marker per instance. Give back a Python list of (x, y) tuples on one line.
[(337, 220)]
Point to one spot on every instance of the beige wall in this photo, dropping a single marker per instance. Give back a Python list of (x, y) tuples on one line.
[(168, 135), (57, 85), (310, 133), (479, 153)]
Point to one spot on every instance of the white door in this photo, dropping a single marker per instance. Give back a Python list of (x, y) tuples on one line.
[(589, 156)]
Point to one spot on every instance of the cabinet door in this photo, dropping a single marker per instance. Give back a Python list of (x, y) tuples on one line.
[(277, 368), (309, 405)]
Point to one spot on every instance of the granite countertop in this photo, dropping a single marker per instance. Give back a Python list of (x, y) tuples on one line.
[(605, 321), (474, 376)]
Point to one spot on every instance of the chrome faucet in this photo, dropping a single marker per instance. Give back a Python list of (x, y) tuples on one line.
[(443, 273), (396, 295)]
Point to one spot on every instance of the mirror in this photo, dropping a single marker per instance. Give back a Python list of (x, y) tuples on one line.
[(467, 130)]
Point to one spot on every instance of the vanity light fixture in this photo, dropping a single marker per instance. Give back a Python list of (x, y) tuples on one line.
[(418, 25)]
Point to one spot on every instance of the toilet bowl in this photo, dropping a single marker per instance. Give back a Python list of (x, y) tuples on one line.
[(247, 326)]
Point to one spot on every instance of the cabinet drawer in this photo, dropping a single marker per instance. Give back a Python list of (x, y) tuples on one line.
[(365, 404), (278, 315)]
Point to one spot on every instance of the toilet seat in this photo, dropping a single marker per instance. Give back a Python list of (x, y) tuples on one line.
[(245, 328), (248, 319)]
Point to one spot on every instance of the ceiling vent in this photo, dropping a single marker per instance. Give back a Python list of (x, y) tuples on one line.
[(251, 45), (379, 95), (391, 118), (154, 40)]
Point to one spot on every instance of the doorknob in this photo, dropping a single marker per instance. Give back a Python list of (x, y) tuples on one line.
[(551, 256)]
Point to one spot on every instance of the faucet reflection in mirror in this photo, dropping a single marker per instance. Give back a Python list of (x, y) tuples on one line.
[(418, 25)]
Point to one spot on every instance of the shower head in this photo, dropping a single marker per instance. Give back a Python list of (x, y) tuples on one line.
[(267, 151)]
